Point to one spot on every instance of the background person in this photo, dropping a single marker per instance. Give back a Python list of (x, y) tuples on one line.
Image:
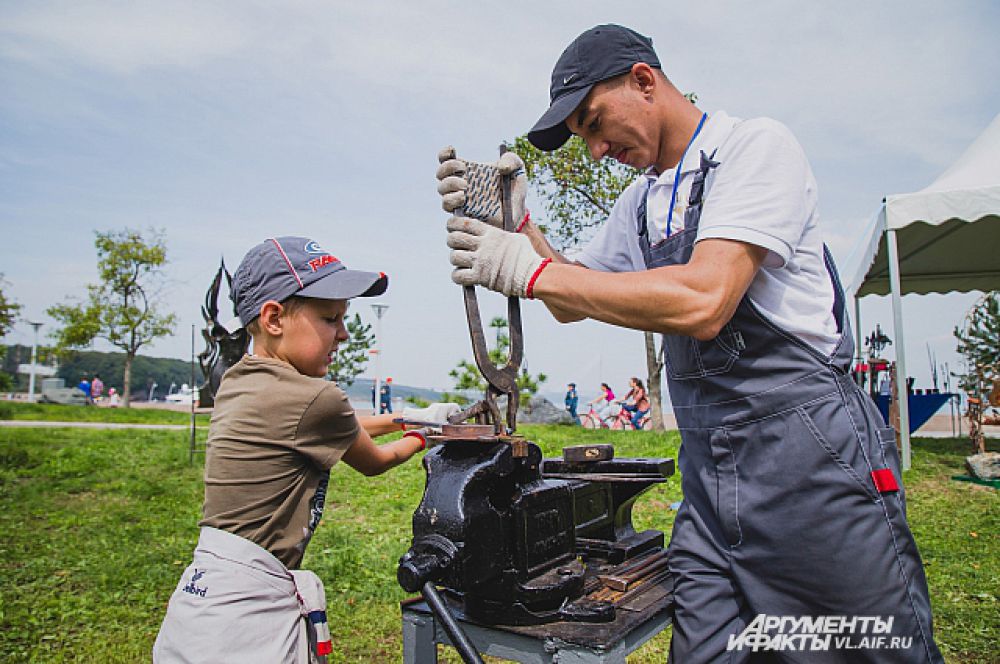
[(635, 402), (96, 388), (277, 429), (385, 396), (603, 402), (717, 245), (571, 400), (84, 386)]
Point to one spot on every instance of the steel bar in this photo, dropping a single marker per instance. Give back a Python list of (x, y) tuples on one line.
[(636, 564), (625, 581)]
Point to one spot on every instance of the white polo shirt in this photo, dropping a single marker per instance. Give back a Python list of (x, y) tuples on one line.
[(763, 192)]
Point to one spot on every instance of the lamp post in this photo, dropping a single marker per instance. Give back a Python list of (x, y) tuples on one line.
[(379, 310), (34, 358)]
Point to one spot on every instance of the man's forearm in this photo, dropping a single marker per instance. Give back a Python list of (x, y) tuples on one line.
[(695, 299), (541, 245)]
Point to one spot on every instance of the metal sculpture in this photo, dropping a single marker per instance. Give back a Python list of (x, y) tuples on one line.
[(223, 348)]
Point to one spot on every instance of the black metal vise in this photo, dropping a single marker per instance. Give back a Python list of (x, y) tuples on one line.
[(510, 536)]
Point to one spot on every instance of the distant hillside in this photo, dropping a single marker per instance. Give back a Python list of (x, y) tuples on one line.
[(361, 390), (111, 367), (163, 371)]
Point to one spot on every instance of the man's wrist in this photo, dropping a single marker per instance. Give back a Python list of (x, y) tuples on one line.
[(524, 222), (529, 290)]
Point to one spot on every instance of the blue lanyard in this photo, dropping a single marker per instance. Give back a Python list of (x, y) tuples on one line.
[(677, 174)]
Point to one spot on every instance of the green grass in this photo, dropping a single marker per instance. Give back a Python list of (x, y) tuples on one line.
[(97, 526), (50, 412)]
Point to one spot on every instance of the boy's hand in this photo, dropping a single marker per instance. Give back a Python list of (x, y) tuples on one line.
[(438, 413), (428, 436), (475, 187)]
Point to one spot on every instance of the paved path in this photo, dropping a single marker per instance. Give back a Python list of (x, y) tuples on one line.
[(92, 425)]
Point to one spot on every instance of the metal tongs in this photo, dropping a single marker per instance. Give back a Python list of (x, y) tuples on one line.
[(501, 380)]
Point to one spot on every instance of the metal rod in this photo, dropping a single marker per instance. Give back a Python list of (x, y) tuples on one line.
[(897, 322), (458, 637)]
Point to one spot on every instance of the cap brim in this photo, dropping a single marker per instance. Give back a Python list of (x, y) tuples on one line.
[(346, 284), (550, 132)]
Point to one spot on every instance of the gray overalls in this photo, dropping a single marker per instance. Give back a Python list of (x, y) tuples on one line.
[(791, 508)]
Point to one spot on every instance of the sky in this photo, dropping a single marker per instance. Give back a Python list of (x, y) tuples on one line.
[(224, 123)]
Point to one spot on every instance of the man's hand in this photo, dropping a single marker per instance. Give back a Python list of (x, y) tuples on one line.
[(487, 256), (437, 413), (475, 187)]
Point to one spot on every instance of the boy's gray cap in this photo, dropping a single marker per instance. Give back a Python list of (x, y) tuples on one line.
[(280, 267), (603, 52)]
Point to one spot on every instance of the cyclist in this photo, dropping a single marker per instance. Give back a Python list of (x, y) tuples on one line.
[(604, 402), (636, 402)]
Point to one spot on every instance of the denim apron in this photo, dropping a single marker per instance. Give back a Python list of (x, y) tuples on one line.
[(791, 504)]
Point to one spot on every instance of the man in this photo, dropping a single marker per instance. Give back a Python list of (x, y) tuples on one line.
[(385, 397), (792, 509)]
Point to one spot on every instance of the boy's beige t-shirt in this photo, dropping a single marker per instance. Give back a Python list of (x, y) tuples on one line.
[(274, 436)]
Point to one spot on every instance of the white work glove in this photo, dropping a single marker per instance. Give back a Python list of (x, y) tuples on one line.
[(436, 413), (475, 187), (487, 256)]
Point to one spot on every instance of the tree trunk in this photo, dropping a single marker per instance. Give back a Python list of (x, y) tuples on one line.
[(654, 369), (127, 387)]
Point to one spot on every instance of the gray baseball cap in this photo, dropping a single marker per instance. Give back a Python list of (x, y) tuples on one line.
[(280, 267), (603, 52)]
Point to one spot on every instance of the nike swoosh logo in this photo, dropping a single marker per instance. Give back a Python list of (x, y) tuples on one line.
[(569, 78)]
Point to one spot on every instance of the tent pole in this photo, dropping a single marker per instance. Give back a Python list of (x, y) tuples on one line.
[(897, 317), (857, 340)]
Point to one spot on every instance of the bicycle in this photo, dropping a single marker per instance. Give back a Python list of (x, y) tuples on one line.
[(622, 421), (619, 421), (592, 420)]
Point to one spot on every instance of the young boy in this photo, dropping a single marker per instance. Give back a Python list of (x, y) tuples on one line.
[(277, 429)]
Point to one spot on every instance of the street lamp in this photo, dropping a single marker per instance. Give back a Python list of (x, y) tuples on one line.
[(379, 310), (34, 353)]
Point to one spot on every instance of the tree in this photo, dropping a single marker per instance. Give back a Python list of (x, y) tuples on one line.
[(9, 311), (124, 306), (979, 344), (352, 355), (468, 378), (578, 194)]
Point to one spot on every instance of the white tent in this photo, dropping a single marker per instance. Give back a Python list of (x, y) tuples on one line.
[(943, 238)]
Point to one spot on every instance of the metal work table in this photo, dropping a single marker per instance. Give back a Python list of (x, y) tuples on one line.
[(552, 643)]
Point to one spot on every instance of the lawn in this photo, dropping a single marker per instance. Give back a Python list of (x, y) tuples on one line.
[(98, 524), (50, 412)]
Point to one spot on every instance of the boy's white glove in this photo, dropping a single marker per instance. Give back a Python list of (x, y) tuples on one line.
[(487, 256), (475, 187), (436, 413)]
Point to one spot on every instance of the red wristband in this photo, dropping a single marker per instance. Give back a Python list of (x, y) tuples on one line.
[(529, 291), (527, 218), (416, 434)]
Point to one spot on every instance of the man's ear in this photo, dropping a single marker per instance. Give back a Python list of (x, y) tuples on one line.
[(270, 318), (644, 77)]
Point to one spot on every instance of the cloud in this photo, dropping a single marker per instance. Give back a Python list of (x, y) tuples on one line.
[(122, 37)]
